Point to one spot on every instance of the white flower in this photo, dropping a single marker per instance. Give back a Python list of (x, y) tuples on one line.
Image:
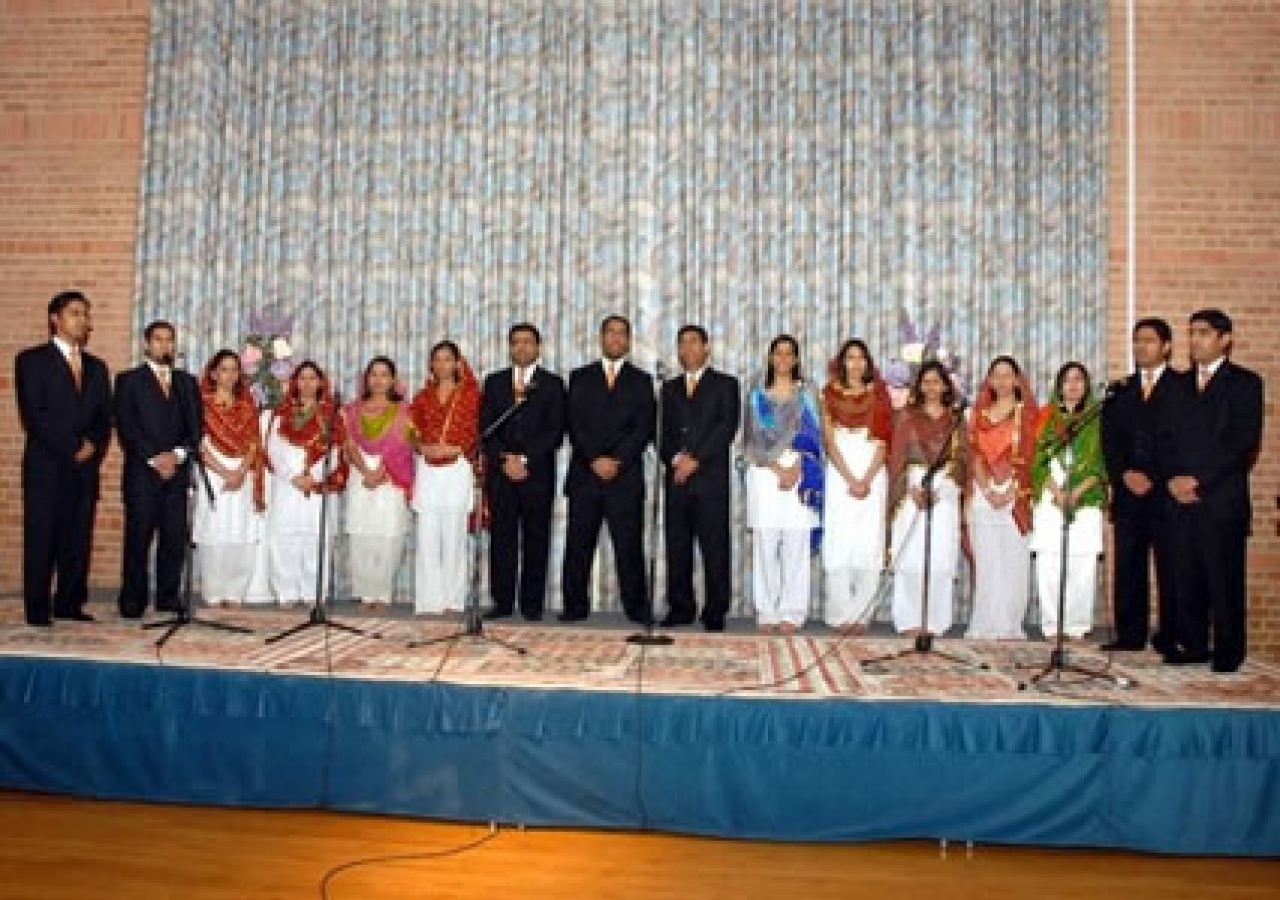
[(913, 353), (280, 348)]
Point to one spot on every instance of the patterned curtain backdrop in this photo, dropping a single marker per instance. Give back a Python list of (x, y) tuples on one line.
[(392, 172)]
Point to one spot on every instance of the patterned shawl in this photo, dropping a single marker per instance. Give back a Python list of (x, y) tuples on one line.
[(233, 431), (456, 421), (386, 436), (308, 429), (1006, 447)]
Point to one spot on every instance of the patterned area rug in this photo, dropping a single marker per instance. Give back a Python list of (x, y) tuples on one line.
[(801, 666)]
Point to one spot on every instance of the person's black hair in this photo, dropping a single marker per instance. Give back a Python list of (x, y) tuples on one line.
[(525, 326), (393, 394), (948, 395), (868, 376), (773, 345)]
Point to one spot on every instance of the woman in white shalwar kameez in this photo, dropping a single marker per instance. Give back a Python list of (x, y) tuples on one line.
[(228, 530), (303, 427), (1001, 442), (927, 433), (446, 423), (857, 426), (1069, 473), (783, 443), (381, 456)]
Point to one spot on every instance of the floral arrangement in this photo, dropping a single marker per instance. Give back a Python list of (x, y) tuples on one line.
[(917, 347), (267, 357)]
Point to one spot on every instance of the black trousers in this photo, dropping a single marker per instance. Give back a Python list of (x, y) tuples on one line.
[(57, 529), (622, 507), (1138, 535), (520, 534), (160, 515), (1209, 583), (701, 517)]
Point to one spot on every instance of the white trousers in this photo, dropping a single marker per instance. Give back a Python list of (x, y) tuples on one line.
[(780, 575), (1001, 572), (850, 596), (226, 570), (441, 567), (1082, 589), (911, 528), (375, 561), (294, 563)]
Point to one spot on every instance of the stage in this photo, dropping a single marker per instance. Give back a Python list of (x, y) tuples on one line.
[(712, 735)]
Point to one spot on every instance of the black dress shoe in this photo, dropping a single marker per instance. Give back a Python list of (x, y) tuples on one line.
[(78, 615), (40, 623), (572, 616), (532, 617), (1182, 658), (496, 613), (673, 621), (168, 607), (713, 623), (1223, 666), (1122, 645)]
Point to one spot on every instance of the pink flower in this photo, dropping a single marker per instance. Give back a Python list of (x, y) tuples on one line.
[(252, 355)]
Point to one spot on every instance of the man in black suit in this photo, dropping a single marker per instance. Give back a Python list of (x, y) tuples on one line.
[(158, 417), (64, 399), (1210, 432), (520, 472), (700, 413), (611, 420), (1139, 507)]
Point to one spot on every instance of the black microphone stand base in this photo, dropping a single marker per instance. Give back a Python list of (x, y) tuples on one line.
[(651, 639), (183, 618), (320, 619), (923, 646), (472, 629), (1060, 664)]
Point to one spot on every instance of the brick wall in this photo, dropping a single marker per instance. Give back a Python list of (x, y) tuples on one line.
[(72, 77), (1208, 213), (71, 97)]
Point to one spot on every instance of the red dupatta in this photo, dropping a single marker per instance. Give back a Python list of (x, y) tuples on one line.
[(233, 430), (872, 410), (456, 421), (1006, 448), (308, 430)]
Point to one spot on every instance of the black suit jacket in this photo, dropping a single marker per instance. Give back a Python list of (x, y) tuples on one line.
[(1214, 436), (617, 423), (703, 426), (150, 423), (58, 418), (1129, 439), (535, 431)]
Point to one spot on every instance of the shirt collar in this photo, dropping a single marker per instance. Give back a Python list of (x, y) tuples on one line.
[(1154, 373), (697, 376), (64, 346), (158, 369), (1213, 367), (616, 364)]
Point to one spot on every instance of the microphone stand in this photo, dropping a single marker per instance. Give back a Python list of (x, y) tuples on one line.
[(1059, 660), (923, 644), (472, 624), (320, 608), (648, 637), (184, 617)]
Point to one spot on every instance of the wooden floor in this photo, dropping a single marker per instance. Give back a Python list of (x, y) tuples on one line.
[(54, 847)]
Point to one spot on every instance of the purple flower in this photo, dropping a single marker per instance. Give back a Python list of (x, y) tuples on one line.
[(259, 394), (897, 374), (281, 369)]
